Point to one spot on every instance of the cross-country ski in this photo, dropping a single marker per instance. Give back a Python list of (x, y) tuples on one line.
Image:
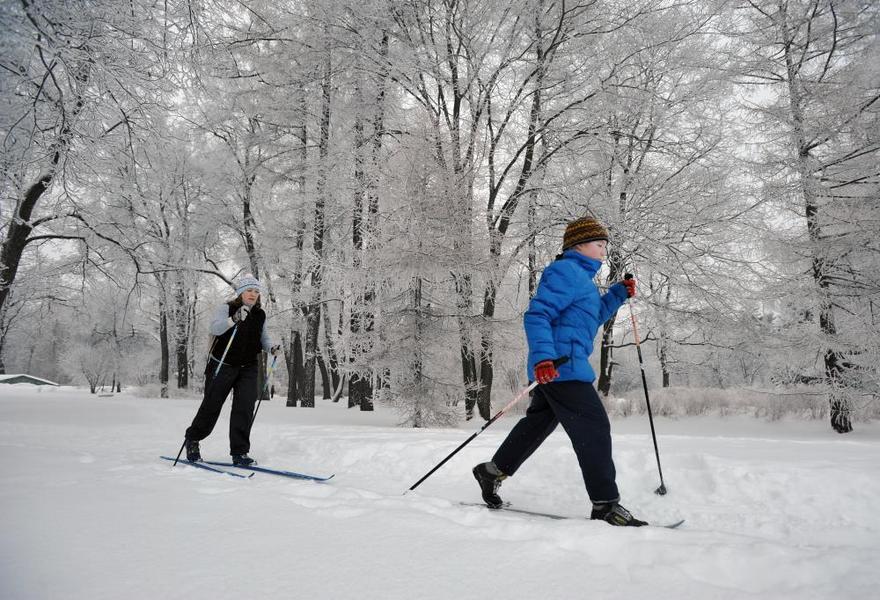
[(535, 513), (279, 472), (205, 467)]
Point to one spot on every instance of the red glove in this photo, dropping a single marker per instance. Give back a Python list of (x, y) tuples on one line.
[(630, 287), (545, 371)]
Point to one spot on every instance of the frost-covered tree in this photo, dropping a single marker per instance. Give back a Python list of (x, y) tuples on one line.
[(73, 78), (813, 64)]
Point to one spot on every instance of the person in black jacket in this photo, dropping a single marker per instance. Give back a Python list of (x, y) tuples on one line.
[(239, 327)]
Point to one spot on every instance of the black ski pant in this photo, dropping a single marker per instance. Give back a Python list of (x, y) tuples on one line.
[(242, 381), (576, 405)]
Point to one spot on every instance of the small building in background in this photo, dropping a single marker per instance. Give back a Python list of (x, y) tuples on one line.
[(23, 378)]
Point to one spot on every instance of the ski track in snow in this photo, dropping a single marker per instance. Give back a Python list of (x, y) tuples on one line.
[(88, 511)]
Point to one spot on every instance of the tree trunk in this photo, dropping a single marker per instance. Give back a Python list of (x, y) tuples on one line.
[(498, 224), (295, 373), (181, 341), (313, 312), (365, 386), (615, 262), (365, 229), (418, 364), (532, 248), (357, 242), (325, 377), (487, 375), (337, 392), (249, 225), (468, 364), (664, 338), (310, 353), (294, 355), (332, 363), (4, 330), (192, 351), (839, 404), (163, 345), (360, 389), (606, 356), (262, 376)]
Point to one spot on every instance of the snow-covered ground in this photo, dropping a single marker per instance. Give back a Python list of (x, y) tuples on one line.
[(88, 511)]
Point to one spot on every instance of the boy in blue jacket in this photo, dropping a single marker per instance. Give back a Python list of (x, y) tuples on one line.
[(562, 320)]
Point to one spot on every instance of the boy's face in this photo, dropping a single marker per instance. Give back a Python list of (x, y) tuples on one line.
[(595, 249)]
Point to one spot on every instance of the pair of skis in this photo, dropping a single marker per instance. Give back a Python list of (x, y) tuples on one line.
[(223, 467), (507, 507)]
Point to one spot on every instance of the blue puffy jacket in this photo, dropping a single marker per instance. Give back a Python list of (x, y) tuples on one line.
[(565, 314)]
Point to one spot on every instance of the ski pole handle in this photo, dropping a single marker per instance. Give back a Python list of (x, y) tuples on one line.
[(635, 326)]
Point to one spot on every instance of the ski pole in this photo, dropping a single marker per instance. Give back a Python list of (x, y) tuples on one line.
[(662, 489), (214, 378), (558, 362), (264, 391)]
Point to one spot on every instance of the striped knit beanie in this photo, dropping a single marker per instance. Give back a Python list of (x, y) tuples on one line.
[(585, 229), (247, 281)]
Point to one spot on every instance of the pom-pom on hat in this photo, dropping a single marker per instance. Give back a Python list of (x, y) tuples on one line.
[(247, 281), (585, 229)]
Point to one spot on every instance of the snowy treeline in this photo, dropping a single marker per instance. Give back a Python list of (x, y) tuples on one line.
[(398, 172)]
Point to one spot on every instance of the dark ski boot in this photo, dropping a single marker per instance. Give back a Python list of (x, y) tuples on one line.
[(243, 460), (489, 477), (193, 454), (615, 514)]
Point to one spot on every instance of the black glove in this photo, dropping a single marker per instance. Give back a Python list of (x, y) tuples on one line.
[(274, 349), (242, 313)]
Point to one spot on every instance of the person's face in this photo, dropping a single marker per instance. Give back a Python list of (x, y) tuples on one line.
[(250, 296), (597, 249)]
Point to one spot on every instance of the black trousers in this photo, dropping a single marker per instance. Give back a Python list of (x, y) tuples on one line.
[(576, 405), (242, 381)]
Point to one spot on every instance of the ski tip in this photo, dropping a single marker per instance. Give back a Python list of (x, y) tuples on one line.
[(674, 525)]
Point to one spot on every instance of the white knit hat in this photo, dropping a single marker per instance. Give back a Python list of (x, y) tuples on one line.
[(247, 281)]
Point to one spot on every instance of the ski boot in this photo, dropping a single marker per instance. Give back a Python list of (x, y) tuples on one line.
[(193, 454), (243, 460), (614, 514), (489, 476)]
